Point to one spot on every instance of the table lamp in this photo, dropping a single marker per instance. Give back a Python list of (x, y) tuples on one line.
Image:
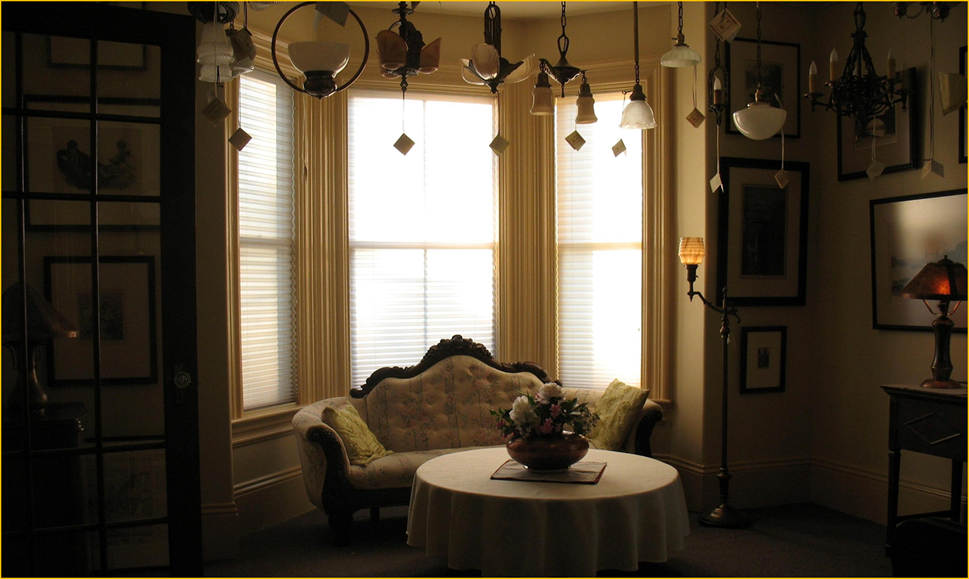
[(44, 323), (943, 280)]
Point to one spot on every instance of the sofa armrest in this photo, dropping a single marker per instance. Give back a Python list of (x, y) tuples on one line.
[(642, 430), (321, 452)]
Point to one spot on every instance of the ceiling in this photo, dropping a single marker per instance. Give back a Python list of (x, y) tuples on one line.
[(528, 10)]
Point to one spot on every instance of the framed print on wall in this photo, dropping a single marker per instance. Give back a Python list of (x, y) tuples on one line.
[(893, 134), (907, 233), (780, 75), (763, 359), (962, 111), (129, 353), (762, 233)]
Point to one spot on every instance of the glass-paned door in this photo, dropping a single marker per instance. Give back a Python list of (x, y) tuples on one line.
[(100, 404)]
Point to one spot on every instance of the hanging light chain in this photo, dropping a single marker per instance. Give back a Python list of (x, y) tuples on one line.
[(563, 39), (716, 52), (680, 29), (758, 47), (635, 37)]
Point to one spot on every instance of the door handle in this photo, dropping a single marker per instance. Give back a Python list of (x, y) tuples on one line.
[(182, 381)]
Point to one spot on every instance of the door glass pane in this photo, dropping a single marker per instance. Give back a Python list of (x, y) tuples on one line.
[(64, 487), (9, 145), (65, 554), (8, 70), (135, 485), (138, 548), (129, 79), (59, 156), (129, 159), (15, 496), (57, 72)]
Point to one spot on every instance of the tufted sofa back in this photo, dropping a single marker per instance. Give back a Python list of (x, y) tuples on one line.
[(446, 406)]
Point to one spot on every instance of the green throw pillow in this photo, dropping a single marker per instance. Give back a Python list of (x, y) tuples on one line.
[(617, 409), (361, 444)]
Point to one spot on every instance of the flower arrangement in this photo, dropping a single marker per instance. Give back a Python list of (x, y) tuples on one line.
[(545, 414)]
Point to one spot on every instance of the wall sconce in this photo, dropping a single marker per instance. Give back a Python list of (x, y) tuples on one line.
[(691, 255), (637, 114), (318, 60), (759, 120), (943, 280)]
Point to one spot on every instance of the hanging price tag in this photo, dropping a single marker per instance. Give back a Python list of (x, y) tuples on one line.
[(575, 140), (404, 144), (240, 139), (725, 26), (335, 11), (499, 144), (782, 178), (932, 166), (619, 148), (696, 118), (875, 170), (715, 183), (216, 111)]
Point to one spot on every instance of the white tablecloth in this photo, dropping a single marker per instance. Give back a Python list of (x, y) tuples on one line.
[(637, 512)]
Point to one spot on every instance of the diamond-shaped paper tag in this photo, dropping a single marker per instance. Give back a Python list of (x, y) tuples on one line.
[(216, 111), (932, 166), (240, 139), (404, 144), (696, 118), (619, 148), (725, 26), (499, 144), (575, 140), (715, 183), (875, 170), (782, 178), (335, 11)]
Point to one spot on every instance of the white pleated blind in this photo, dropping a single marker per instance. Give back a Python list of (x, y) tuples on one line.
[(599, 213), (266, 231), (422, 226)]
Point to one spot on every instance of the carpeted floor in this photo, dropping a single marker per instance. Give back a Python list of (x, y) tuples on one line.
[(791, 541)]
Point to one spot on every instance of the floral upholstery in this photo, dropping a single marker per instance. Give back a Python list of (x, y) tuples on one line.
[(446, 406)]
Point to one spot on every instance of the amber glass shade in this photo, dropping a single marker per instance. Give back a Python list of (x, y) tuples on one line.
[(691, 250), (940, 280)]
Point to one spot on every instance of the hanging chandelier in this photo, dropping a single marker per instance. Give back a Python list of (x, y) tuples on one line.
[(759, 120), (403, 54), (859, 92), (487, 66), (637, 114)]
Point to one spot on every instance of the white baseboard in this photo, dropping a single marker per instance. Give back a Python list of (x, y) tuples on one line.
[(271, 499), (220, 531)]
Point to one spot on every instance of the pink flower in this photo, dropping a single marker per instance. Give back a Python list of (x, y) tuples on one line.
[(556, 410), (546, 426)]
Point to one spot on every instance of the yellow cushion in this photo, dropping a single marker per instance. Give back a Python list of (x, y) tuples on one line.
[(361, 444), (617, 409)]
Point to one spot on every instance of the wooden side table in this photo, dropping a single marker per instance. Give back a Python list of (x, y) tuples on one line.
[(930, 421)]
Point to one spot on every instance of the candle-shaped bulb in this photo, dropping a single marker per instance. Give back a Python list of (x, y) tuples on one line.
[(813, 78), (717, 91), (833, 64), (716, 83)]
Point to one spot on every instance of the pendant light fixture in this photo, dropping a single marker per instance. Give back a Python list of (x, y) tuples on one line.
[(563, 73), (681, 55), (403, 53), (487, 66), (586, 113), (637, 114), (759, 120)]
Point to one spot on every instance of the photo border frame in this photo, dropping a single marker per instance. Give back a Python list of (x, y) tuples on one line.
[(962, 110), (792, 100), (725, 221), (744, 333)]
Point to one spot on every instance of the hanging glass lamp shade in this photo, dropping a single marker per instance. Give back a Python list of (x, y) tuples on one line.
[(542, 97), (585, 105), (214, 53), (680, 56), (638, 114), (759, 120), (319, 56)]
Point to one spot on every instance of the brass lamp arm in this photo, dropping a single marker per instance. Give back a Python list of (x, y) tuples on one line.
[(723, 311)]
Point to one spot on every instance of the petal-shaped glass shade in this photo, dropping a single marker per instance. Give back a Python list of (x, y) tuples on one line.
[(542, 101), (585, 110), (638, 115), (691, 250), (431, 57), (759, 121), (522, 72), (466, 73), (680, 56), (485, 60), (214, 47), (391, 50), (318, 55)]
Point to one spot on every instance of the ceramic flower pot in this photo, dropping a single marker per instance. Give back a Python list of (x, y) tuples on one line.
[(549, 452)]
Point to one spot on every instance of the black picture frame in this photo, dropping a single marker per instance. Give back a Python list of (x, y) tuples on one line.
[(902, 154), (134, 329), (962, 111), (763, 359), (906, 233), (757, 281), (777, 57)]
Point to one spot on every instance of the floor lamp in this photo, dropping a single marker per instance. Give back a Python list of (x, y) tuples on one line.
[(691, 255)]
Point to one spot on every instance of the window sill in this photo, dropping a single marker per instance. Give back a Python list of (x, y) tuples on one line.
[(264, 424)]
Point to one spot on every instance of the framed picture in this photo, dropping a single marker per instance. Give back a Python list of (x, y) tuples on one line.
[(780, 75), (762, 233), (763, 359), (907, 233), (127, 312), (962, 111), (889, 137)]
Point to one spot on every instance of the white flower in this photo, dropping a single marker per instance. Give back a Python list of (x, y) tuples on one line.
[(549, 391), (522, 411)]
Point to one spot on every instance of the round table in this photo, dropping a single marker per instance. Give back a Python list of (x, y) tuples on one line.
[(636, 512)]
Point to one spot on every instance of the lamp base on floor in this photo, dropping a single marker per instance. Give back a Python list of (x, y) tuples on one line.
[(725, 516)]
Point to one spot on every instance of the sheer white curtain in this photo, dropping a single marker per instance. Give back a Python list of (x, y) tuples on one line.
[(599, 214), (422, 226), (266, 237)]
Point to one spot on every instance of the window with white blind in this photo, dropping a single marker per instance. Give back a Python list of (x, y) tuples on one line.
[(266, 239), (422, 227), (599, 214)]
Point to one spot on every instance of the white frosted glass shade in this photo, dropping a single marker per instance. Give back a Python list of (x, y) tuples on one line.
[(542, 101), (759, 121), (209, 71), (466, 73), (319, 55), (691, 250), (585, 110), (214, 47), (522, 72), (486, 61), (680, 56), (638, 115)]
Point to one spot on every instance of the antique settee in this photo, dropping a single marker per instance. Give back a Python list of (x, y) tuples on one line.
[(439, 406)]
